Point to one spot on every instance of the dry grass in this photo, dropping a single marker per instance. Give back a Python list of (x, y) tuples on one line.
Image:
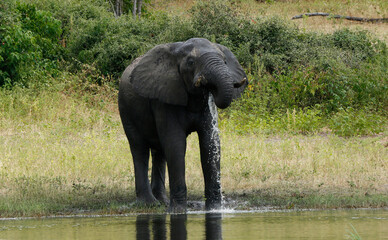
[(317, 163)]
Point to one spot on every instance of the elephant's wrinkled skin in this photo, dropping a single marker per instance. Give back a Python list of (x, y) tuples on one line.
[(164, 96)]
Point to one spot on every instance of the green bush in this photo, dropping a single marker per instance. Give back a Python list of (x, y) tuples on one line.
[(112, 43), (353, 122), (215, 20), (177, 30), (358, 44), (29, 42)]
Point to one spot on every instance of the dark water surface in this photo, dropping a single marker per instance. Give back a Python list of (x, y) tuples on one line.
[(334, 224)]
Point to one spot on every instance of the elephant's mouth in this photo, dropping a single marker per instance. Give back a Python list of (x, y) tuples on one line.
[(240, 83), (200, 81)]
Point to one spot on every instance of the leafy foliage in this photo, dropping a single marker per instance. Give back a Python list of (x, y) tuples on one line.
[(29, 41), (111, 44), (353, 122)]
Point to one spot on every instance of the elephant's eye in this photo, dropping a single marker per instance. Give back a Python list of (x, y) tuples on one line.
[(190, 62)]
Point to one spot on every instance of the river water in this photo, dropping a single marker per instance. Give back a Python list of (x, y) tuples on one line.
[(229, 224)]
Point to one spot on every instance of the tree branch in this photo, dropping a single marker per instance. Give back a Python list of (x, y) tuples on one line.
[(113, 8), (373, 20)]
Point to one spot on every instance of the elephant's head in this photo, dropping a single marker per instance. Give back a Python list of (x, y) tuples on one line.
[(175, 71)]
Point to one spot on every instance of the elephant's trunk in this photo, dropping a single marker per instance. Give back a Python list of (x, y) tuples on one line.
[(218, 79), (223, 92)]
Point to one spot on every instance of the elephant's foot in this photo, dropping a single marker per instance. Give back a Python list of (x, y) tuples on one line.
[(149, 200), (177, 209), (213, 203), (178, 206), (161, 197)]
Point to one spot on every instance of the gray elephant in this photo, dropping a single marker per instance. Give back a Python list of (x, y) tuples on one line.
[(165, 95)]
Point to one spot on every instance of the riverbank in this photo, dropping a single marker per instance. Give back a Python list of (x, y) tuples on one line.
[(234, 203)]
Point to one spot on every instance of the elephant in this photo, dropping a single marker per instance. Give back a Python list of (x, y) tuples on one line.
[(171, 91)]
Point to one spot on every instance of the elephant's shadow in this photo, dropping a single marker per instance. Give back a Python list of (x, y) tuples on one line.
[(156, 226)]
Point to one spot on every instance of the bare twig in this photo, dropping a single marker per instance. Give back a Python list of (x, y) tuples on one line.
[(113, 8), (373, 20)]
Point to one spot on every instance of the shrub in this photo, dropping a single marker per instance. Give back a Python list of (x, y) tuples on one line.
[(353, 122), (178, 29), (358, 44), (112, 43), (29, 42), (215, 20)]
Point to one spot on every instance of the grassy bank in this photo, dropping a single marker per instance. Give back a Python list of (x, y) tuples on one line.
[(64, 150)]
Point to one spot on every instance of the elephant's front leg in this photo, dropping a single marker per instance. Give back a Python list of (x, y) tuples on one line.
[(209, 143), (210, 159)]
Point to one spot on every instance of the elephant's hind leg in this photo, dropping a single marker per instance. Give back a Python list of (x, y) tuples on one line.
[(140, 153), (158, 176)]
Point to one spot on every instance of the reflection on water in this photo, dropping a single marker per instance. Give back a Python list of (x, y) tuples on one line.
[(156, 225), (213, 226), (178, 226), (334, 224)]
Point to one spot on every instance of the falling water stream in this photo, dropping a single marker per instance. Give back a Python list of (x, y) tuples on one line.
[(214, 137), (214, 114)]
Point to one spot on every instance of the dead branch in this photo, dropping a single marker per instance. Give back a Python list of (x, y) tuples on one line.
[(360, 19)]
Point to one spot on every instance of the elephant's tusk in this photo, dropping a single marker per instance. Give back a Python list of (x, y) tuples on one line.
[(200, 81), (242, 82)]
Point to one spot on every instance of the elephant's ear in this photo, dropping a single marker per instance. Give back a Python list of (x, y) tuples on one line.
[(156, 76), (238, 73)]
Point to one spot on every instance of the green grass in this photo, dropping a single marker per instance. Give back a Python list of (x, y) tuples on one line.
[(353, 234), (64, 150)]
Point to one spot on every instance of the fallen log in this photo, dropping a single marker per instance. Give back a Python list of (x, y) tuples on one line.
[(360, 19)]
